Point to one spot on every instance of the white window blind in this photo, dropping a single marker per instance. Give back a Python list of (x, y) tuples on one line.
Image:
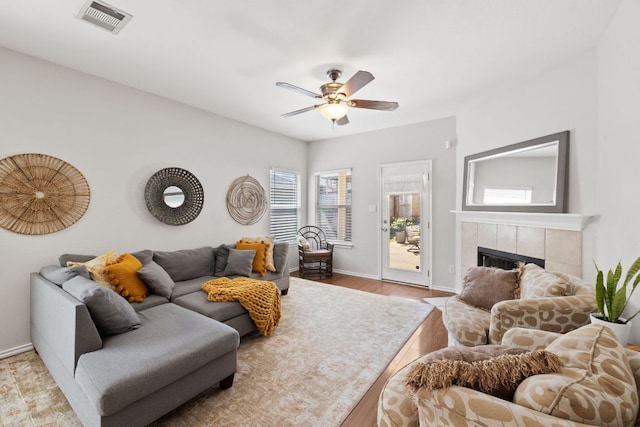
[(284, 201), (333, 204)]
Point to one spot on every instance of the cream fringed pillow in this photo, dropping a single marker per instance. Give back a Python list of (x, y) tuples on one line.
[(95, 267), (123, 274), (491, 369), (269, 263)]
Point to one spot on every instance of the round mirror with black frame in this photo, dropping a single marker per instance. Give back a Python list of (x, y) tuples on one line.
[(174, 196)]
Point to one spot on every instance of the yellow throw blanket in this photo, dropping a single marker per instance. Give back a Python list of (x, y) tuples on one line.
[(259, 297)]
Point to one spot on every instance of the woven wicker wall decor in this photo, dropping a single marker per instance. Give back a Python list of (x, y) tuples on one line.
[(40, 194), (154, 196), (246, 200)]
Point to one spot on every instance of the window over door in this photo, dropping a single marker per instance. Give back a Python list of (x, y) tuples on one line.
[(284, 202), (333, 205)]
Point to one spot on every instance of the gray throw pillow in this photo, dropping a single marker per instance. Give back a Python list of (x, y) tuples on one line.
[(59, 275), (157, 279), (145, 256), (222, 254), (111, 313), (187, 264), (64, 258), (239, 262)]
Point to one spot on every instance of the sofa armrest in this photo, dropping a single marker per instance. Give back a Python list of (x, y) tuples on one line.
[(530, 339), (60, 324), (460, 406), (554, 314)]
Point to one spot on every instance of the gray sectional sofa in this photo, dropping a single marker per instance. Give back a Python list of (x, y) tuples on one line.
[(120, 363)]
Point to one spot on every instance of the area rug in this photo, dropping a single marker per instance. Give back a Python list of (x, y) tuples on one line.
[(330, 347)]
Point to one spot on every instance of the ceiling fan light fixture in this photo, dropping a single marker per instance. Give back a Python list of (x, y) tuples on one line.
[(333, 111)]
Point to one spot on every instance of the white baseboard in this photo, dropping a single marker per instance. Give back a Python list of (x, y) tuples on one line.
[(16, 350)]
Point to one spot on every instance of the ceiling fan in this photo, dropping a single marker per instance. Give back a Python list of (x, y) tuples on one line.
[(336, 97)]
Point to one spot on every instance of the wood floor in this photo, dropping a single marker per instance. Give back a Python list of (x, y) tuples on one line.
[(429, 336)]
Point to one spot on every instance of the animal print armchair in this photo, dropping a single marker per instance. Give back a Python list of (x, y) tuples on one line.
[(548, 301), (597, 385)]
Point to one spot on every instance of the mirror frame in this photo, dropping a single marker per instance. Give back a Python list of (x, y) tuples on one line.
[(561, 176), (190, 186)]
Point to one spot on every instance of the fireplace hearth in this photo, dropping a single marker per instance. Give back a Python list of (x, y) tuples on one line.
[(504, 260)]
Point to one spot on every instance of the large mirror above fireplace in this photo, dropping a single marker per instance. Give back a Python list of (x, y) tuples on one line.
[(529, 176)]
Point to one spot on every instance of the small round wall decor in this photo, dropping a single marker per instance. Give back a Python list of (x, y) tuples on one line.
[(40, 194), (246, 200), (174, 196)]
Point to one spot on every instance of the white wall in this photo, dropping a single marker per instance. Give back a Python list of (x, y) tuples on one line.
[(364, 152), (118, 137), (563, 98), (618, 171)]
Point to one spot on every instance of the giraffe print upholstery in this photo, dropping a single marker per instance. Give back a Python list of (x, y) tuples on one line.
[(600, 381), (543, 309)]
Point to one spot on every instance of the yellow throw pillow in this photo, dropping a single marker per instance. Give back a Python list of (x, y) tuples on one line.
[(123, 274), (259, 260), (95, 267), (269, 263)]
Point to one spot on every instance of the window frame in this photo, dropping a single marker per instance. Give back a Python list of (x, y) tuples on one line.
[(291, 236), (347, 241)]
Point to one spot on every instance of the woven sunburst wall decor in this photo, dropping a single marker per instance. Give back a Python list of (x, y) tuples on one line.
[(246, 200), (40, 194)]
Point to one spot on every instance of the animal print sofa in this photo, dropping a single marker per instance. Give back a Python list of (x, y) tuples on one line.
[(549, 301), (598, 385)]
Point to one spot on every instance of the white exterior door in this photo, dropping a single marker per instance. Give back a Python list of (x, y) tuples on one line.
[(405, 190)]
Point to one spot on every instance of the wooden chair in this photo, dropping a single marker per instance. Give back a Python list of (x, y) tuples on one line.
[(315, 254)]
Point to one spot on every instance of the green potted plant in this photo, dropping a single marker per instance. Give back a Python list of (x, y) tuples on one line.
[(612, 299)]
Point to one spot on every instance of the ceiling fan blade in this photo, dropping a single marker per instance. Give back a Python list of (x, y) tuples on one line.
[(298, 89), (344, 120), (372, 105), (356, 82), (300, 111)]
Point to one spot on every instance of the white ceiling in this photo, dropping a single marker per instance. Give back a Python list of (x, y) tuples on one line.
[(225, 57)]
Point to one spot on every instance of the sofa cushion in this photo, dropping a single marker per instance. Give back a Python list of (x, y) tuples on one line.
[(123, 274), (491, 369), (96, 266), (59, 275), (171, 343), (222, 253), (259, 264), (157, 279), (536, 282), (111, 313), (220, 311), (189, 286), (596, 385), (144, 256), (239, 262), (485, 286), (150, 301), (187, 264)]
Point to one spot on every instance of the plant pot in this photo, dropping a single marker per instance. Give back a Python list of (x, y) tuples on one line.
[(621, 330), (401, 236)]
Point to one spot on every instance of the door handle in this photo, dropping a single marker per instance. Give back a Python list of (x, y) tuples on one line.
[(384, 229)]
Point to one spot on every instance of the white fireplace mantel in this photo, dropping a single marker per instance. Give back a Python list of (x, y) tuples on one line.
[(559, 221)]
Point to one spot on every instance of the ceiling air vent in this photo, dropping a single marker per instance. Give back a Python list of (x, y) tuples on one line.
[(103, 15)]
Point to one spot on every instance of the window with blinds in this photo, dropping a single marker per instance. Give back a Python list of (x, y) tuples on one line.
[(284, 202), (333, 204)]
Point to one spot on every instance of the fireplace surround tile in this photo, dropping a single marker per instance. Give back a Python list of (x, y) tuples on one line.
[(507, 238), (488, 235), (531, 242), (564, 247)]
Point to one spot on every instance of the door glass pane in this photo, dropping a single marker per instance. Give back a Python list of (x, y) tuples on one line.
[(404, 236)]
